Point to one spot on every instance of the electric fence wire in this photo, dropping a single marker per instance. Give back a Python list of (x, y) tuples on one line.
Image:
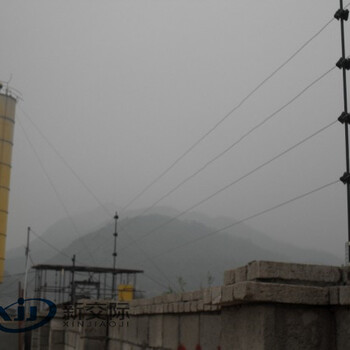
[(11, 295), (86, 187), (55, 190), (69, 167), (14, 275), (224, 188), (199, 140), (244, 136), (260, 213), (65, 255), (290, 58), (31, 259), (234, 109), (49, 244), (19, 277)]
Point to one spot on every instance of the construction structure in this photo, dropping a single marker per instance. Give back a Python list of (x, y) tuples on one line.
[(7, 121), (69, 283)]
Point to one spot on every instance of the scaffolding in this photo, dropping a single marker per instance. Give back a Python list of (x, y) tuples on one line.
[(68, 283)]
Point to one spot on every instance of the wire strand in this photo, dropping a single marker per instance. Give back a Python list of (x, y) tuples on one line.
[(244, 136), (279, 155), (85, 186), (215, 126), (247, 218), (50, 245), (55, 190), (64, 161)]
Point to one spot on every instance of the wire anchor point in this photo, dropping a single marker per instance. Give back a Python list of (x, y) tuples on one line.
[(342, 14), (344, 118), (345, 179)]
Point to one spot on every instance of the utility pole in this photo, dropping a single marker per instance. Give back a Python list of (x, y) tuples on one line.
[(72, 283), (115, 234), (20, 322), (26, 265), (344, 64)]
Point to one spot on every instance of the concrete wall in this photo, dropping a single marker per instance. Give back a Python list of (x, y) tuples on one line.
[(261, 306), (8, 340)]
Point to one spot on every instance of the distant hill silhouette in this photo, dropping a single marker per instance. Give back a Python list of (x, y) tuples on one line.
[(156, 254)]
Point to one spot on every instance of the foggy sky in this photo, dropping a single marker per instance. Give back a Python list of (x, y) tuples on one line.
[(122, 88)]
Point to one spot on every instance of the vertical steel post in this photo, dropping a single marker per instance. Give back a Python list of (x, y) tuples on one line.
[(343, 64), (26, 265), (115, 234), (72, 282)]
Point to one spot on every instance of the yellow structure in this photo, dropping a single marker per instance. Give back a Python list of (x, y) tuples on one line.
[(125, 292), (7, 122)]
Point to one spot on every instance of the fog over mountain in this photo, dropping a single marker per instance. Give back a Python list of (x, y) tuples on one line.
[(114, 92), (165, 254)]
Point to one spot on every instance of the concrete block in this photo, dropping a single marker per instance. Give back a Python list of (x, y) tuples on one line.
[(229, 277), (181, 307), (68, 347), (130, 333), (299, 328), (344, 295), (193, 306), (116, 332), (342, 322), (207, 296), (345, 270), (159, 299), (136, 311), (156, 331), (241, 274), (176, 307), (187, 306), (189, 331), (126, 346), (172, 298), (147, 309), (276, 327), (142, 330), (159, 308), (114, 345), (9, 341), (56, 337), (333, 295), (197, 294), (280, 293), (165, 308), (227, 294), (94, 328), (209, 331), (187, 296), (216, 295), (215, 307), (170, 332), (56, 324), (93, 344), (71, 338), (293, 273), (134, 303), (144, 302), (243, 327), (168, 308)]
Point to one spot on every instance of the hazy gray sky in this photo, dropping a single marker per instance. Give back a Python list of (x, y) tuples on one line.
[(122, 88)]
